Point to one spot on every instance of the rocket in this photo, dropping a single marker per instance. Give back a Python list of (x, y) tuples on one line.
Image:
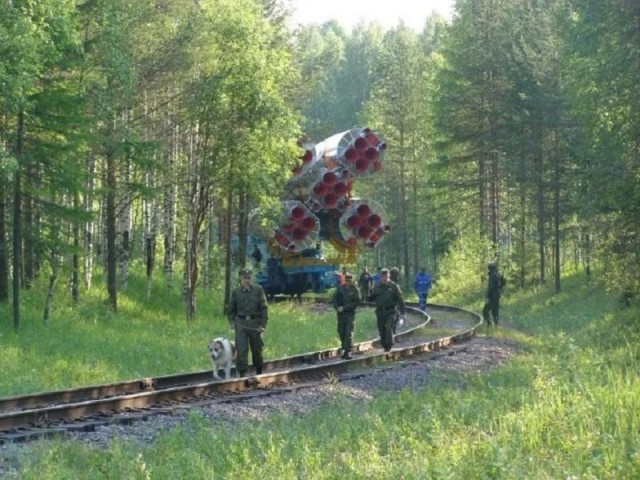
[(318, 203)]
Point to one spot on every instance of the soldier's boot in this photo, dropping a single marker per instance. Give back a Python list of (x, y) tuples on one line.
[(242, 373), (347, 355), (258, 369)]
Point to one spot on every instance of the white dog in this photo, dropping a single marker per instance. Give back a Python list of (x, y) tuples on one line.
[(223, 356)]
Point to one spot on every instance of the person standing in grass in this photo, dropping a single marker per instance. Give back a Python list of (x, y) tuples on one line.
[(364, 282), (388, 299), (248, 315), (345, 300), (494, 289)]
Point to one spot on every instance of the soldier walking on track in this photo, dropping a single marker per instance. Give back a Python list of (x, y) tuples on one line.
[(248, 315), (388, 298), (345, 301)]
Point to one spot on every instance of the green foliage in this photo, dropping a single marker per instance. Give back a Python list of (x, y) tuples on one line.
[(148, 336), (564, 407), (464, 268)]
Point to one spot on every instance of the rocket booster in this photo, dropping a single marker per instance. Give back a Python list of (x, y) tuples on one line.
[(322, 181)]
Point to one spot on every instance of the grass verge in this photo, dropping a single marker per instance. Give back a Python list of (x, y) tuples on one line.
[(565, 408)]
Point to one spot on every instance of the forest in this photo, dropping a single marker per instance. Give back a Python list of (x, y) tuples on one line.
[(142, 134)]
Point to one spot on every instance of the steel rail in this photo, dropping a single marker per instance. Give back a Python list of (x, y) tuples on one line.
[(31, 411)]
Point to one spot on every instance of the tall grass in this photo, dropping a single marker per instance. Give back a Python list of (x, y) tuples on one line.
[(565, 408), (85, 344)]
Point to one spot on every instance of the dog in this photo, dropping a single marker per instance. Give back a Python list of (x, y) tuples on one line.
[(223, 356)]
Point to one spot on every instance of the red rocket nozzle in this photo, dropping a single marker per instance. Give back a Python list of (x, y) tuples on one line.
[(372, 153), (299, 234), (374, 221), (309, 223), (362, 164), (363, 210), (297, 213), (375, 236), (330, 178), (307, 157), (360, 143), (331, 199), (364, 231), (353, 221), (350, 155), (340, 188), (372, 138), (320, 189)]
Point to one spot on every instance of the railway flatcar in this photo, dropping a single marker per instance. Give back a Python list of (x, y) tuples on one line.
[(318, 208)]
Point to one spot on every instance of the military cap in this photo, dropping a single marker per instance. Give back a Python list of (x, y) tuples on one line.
[(245, 272), (492, 265), (384, 271)]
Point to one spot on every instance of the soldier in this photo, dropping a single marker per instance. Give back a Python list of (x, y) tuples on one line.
[(248, 315), (257, 256), (345, 301), (394, 275), (496, 282), (364, 283), (388, 298)]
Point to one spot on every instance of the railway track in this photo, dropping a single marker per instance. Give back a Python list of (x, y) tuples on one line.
[(27, 417)]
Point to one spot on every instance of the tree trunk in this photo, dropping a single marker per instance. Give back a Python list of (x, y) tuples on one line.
[(89, 226), (30, 231), (206, 257), (110, 220), (191, 268), (151, 230), (17, 226), (125, 232), (55, 267), (541, 212), (227, 244), (556, 212), (169, 212), (75, 261), (523, 238), (242, 228), (587, 253), (4, 246)]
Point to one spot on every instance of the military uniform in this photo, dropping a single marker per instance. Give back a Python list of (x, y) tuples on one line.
[(365, 281), (345, 301), (388, 299), (248, 315), (493, 297)]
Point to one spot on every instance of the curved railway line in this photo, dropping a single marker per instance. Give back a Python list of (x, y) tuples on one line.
[(28, 417)]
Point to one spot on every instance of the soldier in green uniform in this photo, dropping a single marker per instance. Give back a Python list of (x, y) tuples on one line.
[(248, 315), (345, 301), (388, 299), (494, 289)]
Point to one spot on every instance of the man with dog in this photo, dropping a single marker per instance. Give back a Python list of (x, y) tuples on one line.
[(248, 315), (345, 301), (388, 299)]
